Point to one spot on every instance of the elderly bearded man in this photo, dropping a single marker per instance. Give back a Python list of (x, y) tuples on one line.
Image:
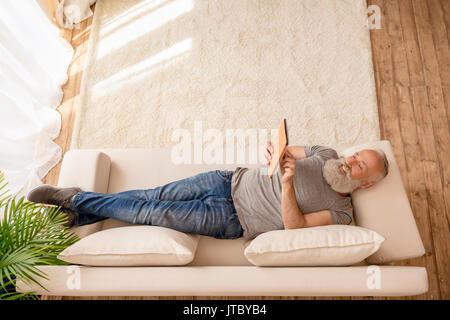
[(312, 187)]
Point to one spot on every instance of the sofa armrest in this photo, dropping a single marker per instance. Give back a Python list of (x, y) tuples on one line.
[(86, 169)]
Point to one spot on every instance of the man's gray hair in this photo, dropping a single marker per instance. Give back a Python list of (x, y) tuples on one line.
[(386, 165)]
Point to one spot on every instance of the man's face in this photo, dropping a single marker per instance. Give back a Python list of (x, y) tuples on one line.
[(345, 175), (364, 165)]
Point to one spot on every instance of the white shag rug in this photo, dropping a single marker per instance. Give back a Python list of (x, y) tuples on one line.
[(154, 66)]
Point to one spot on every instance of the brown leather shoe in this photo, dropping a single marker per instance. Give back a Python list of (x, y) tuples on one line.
[(53, 195)]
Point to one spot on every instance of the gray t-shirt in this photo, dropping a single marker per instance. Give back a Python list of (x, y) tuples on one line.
[(257, 198)]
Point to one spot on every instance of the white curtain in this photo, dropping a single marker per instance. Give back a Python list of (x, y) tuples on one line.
[(33, 65)]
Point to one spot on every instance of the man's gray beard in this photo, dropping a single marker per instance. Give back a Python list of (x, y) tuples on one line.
[(334, 177)]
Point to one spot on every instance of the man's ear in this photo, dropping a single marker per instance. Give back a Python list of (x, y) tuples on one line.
[(367, 185)]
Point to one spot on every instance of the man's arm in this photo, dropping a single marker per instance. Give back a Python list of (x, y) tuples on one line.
[(291, 215), (298, 152), (293, 218)]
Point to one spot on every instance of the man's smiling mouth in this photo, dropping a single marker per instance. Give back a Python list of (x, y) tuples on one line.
[(341, 168)]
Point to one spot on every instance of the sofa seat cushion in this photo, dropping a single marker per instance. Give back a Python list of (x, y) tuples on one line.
[(231, 281)]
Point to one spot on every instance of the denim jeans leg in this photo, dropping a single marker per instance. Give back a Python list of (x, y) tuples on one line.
[(210, 212), (191, 188), (206, 217), (200, 186)]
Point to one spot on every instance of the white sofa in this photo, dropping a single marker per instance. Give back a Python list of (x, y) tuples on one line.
[(220, 267)]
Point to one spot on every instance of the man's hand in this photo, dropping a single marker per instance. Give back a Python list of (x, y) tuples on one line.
[(287, 167), (268, 152)]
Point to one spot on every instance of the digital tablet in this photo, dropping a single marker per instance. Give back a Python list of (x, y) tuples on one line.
[(279, 143)]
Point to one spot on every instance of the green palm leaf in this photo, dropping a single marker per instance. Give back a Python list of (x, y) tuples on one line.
[(31, 234)]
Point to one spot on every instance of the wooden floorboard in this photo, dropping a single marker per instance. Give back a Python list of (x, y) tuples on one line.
[(440, 39), (411, 58)]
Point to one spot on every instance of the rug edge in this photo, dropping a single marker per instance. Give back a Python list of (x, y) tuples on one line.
[(78, 105)]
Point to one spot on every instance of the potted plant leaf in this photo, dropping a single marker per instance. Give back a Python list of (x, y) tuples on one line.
[(31, 234)]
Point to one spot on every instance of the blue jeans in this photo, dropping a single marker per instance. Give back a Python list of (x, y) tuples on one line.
[(201, 204)]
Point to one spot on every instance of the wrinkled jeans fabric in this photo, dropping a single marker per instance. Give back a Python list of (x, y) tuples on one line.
[(201, 204)]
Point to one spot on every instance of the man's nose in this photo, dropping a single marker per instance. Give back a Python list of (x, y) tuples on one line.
[(349, 161)]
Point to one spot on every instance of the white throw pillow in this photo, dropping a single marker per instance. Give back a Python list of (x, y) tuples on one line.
[(133, 246), (332, 245)]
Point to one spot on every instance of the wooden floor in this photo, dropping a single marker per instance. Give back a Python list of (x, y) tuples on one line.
[(411, 58)]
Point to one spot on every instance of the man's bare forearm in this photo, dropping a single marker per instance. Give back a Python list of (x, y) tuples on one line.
[(297, 151), (291, 215)]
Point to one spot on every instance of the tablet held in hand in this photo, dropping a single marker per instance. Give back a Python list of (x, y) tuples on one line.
[(279, 143)]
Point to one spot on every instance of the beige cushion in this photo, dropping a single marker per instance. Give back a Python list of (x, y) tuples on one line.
[(385, 209), (133, 246), (333, 245)]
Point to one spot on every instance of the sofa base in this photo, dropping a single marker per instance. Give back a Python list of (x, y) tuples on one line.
[(231, 281)]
